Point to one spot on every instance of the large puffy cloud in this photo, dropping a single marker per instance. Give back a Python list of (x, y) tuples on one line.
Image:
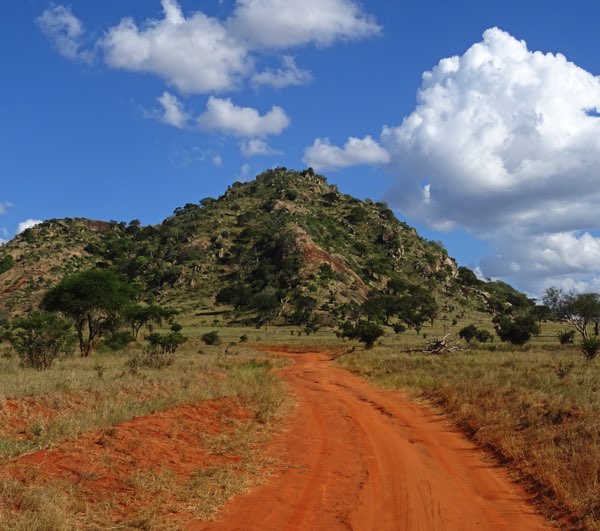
[(223, 115), (285, 23), (195, 54), (505, 142), (65, 31), (501, 135), (323, 155), (569, 260)]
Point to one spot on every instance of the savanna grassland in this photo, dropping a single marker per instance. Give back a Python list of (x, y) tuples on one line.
[(99, 444), (536, 408)]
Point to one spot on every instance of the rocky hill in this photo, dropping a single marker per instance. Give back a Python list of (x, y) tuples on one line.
[(286, 245)]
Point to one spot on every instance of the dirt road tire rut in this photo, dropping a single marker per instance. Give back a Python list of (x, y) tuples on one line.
[(355, 457)]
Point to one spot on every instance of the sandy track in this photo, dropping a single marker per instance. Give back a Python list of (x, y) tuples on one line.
[(355, 457)]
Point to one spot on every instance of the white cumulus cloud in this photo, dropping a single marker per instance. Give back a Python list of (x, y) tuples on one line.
[(324, 155), (281, 24), (255, 147), (501, 135), (224, 116), (568, 260), (172, 111), (28, 224), (4, 206), (195, 54), (505, 143), (200, 54), (288, 74), (65, 31)]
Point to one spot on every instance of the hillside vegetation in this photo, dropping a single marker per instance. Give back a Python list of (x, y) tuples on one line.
[(286, 247)]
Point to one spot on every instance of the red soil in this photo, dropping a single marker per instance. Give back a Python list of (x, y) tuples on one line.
[(19, 416), (355, 457), (103, 463)]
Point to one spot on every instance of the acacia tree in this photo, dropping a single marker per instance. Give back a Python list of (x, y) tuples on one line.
[(93, 300), (411, 304), (579, 309)]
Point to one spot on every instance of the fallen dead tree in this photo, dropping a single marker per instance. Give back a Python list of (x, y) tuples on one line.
[(443, 346), (439, 346)]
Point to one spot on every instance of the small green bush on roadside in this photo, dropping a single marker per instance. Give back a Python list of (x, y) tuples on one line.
[(366, 332), (516, 330)]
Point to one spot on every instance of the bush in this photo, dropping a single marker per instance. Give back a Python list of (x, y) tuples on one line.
[(166, 343), (366, 332), (211, 338), (590, 347), (6, 263), (566, 337), (118, 340), (311, 328), (468, 333), (399, 328), (483, 336), (39, 338), (517, 330)]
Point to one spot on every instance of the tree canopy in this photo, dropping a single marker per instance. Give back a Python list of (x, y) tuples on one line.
[(93, 300), (579, 309)]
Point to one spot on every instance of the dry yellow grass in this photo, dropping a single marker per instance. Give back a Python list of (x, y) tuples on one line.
[(76, 396)]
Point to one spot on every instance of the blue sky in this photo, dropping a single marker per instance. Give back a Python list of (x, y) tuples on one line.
[(495, 152)]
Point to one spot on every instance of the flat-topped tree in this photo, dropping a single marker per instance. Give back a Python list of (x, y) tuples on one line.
[(579, 309), (93, 300)]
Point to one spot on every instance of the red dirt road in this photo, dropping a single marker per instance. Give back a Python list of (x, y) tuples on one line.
[(355, 457)]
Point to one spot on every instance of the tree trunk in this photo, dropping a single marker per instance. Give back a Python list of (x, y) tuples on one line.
[(82, 347)]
